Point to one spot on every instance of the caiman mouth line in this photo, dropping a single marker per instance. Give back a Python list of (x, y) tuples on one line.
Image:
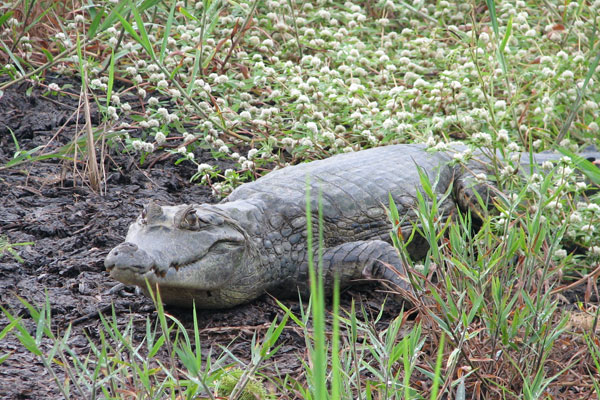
[(174, 265)]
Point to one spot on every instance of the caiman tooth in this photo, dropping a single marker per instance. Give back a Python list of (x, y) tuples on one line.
[(159, 272)]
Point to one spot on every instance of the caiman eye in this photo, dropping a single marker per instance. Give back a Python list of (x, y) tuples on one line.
[(190, 220)]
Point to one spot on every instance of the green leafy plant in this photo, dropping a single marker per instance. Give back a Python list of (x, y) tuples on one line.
[(7, 247)]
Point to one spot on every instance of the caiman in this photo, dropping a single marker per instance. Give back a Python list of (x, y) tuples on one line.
[(255, 240)]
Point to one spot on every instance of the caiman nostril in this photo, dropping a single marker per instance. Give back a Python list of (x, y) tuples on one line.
[(128, 256)]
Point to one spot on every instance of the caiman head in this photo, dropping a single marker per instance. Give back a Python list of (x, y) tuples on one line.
[(193, 254)]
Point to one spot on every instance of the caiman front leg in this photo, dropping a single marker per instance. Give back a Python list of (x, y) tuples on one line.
[(358, 260)]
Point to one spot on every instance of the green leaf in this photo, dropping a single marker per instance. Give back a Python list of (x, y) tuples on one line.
[(187, 14), (81, 62), (167, 33), (157, 346), (148, 4), (144, 41), (48, 55), (6, 16), (96, 14), (13, 57), (9, 327), (39, 17), (4, 357), (23, 336), (494, 20), (120, 8), (588, 168), (437, 376), (131, 31), (492, 9), (111, 77), (507, 34)]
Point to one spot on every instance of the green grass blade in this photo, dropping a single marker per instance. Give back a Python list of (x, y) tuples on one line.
[(571, 117), (588, 168), (14, 58), (319, 352), (49, 56), (120, 8), (294, 318), (213, 14), (4, 357), (167, 33), (6, 16), (81, 63), (111, 77), (133, 33), (336, 367), (148, 4), (9, 327), (506, 35), (144, 40), (493, 19), (23, 336), (195, 70), (38, 18), (435, 386), (96, 13)]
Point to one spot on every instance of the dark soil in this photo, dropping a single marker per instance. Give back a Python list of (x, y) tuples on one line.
[(73, 228)]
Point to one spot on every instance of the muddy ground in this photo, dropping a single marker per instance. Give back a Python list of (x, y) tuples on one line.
[(73, 228)]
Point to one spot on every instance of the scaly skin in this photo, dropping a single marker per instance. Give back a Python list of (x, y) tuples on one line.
[(255, 240)]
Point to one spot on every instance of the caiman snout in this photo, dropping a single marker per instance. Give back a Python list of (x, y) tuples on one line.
[(130, 257)]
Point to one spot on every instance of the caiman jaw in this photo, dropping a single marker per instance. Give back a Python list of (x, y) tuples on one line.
[(131, 264)]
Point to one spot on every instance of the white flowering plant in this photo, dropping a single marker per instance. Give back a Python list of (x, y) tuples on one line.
[(266, 84)]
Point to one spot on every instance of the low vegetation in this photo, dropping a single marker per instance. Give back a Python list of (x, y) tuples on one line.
[(275, 82)]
